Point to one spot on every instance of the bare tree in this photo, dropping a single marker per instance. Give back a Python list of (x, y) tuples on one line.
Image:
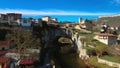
[(23, 40)]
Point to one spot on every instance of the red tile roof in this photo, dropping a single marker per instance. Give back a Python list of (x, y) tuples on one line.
[(2, 52), (4, 59), (5, 43), (76, 23), (27, 61)]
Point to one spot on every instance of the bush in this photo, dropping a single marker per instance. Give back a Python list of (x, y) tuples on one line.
[(113, 50)]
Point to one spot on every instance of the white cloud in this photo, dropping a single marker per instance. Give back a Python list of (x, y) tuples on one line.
[(116, 2), (51, 12)]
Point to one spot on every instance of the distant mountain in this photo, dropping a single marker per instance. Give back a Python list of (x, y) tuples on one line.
[(111, 20)]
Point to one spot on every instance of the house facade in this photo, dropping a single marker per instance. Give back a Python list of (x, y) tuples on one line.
[(4, 45), (25, 22), (106, 38), (5, 62), (48, 19), (10, 18), (3, 18)]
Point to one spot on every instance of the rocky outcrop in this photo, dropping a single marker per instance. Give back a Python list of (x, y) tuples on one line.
[(78, 46), (111, 21)]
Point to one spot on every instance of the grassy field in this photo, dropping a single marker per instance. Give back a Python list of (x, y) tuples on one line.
[(93, 61), (111, 58), (97, 43), (89, 39)]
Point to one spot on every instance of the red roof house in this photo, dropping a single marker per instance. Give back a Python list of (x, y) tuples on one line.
[(27, 61), (2, 52), (4, 45), (4, 61), (106, 38)]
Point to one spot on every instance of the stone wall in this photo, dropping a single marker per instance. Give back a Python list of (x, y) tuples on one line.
[(83, 54), (78, 45), (113, 64)]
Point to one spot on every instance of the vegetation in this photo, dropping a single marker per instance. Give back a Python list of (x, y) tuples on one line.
[(90, 41), (113, 50), (70, 60), (100, 50), (111, 58), (90, 51), (88, 36), (93, 61), (22, 40), (3, 33), (97, 43), (114, 21)]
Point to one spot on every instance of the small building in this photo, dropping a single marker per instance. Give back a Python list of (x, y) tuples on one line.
[(13, 18), (106, 38), (48, 19), (5, 62), (26, 22), (54, 19), (5, 45), (10, 18), (3, 52), (115, 28), (3, 17), (86, 24), (26, 63), (37, 22)]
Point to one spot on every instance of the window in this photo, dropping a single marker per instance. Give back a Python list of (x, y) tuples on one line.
[(105, 37), (100, 37), (3, 48), (25, 21)]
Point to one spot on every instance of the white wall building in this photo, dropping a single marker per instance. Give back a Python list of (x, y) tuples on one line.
[(85, 25), (26, 22), (81, 21), (106, 38), (48, 19), (54, 19)]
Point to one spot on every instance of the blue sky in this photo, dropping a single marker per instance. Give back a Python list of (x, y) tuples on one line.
[(64, 10)]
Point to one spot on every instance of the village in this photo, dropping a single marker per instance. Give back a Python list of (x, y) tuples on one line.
[(23, 40)]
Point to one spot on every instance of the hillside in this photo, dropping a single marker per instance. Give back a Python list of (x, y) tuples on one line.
[(111, 21)]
